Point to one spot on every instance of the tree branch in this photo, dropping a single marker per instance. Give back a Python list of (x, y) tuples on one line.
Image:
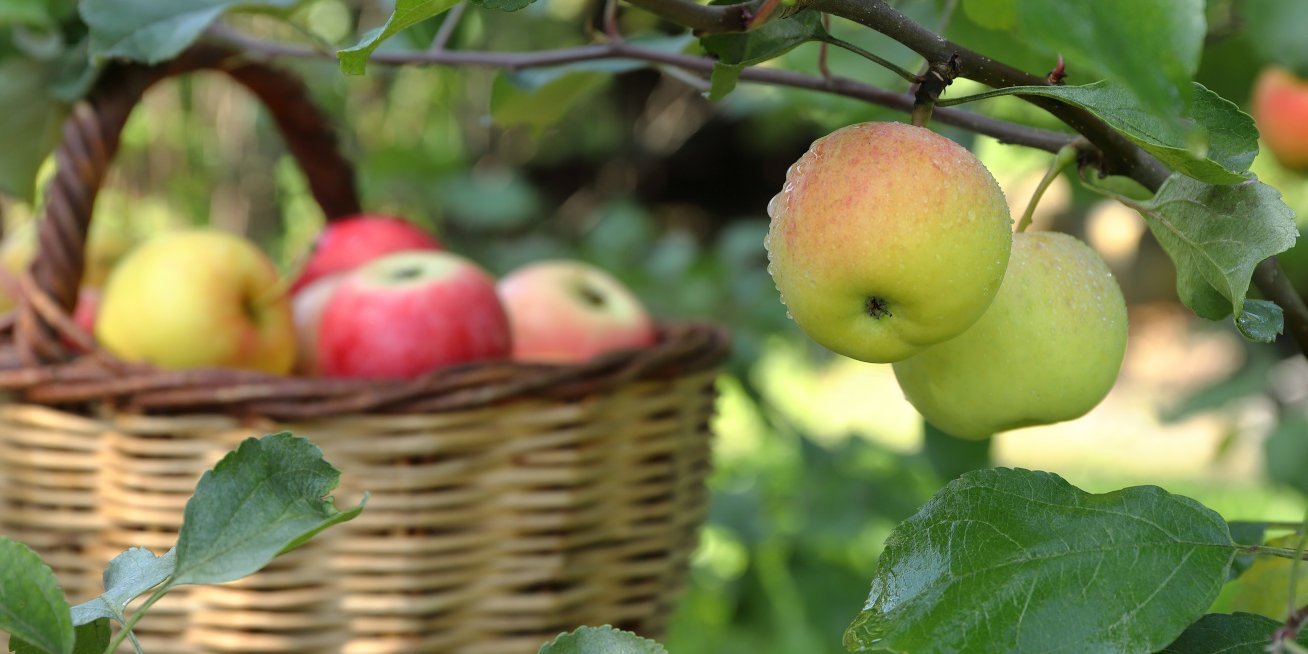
[(1006, 132), (705, 19)]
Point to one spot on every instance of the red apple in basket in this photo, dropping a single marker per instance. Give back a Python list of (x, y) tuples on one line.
[(570, 311), (198, 298), (408, 313), (307, 306), (351, 242)]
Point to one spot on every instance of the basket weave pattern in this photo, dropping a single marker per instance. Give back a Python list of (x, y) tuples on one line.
[(508, 501)]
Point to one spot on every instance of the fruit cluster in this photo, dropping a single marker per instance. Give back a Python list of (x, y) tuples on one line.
[(378, 298), (892, 244)]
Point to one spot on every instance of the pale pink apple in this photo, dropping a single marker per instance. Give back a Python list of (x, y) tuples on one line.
[(307, 306), (570, 311), (409, 313), (348, 243), (1280, 110)]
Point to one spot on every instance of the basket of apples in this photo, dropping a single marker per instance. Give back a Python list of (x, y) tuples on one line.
[(535, 447)]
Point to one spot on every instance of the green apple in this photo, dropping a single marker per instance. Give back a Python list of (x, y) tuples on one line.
[(1047, 350), (198, 298), (887, 238)]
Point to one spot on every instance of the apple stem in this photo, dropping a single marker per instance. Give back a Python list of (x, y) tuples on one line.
[(1065, 157), (929, 87)]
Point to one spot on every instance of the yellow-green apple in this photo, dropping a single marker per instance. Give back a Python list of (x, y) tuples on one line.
[(307, 305), (348, 243), (1047, 350), (408, 313), (198, 298), (887, 238), (1280, 110), (570, 311)]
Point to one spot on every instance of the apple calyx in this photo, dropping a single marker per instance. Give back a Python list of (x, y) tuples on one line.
[(877, 307)]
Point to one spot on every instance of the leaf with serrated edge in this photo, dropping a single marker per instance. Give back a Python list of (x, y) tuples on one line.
[(1232, 136), (153, 31), (1216, 235), (999, 558), (263, 499), (1222, 633), (601, 640), (32, 608), (128, 575), (354, 60)]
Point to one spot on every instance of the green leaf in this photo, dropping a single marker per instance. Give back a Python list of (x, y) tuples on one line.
[(1287, 453), (128, 575), (92, 638), (1244, 532), (153, 31), (723, 80), (517, 100), (31, 111), (1220, 633), (265, 498), (1277, 26), (354, 60), (32, 608), (1215, 236), (601, 640), (503, 5), (998, 560), (773, 39), (951, 456), (1231, 141), (1151, 48), (1261, 321)]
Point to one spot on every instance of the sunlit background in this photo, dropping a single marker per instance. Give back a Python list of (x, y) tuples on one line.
[(817, 457)]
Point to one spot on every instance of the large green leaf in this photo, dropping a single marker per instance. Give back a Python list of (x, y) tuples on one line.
[(92, 638), (1221, 633), (1215, 236), (999, 559), (1277, 27), (267, 497), (153, 31), (128, 575), (601, 640), (31, 111), (1219, 154), (1150, 48), (32, 608), (354, 60)]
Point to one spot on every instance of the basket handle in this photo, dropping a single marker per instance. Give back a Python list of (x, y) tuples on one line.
[(91, 137)]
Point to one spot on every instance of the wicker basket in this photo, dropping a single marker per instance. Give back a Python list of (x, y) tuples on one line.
[(509, 501)]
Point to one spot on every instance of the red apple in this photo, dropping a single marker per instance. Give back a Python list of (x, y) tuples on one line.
[(408, 313), (1280, 109), (569, 311), (306, 307), (351, 242)]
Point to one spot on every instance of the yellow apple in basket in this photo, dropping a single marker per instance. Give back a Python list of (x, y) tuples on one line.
[(198, 298)]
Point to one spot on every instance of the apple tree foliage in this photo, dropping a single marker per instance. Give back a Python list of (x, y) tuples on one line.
[(267, 497), (997, 560)]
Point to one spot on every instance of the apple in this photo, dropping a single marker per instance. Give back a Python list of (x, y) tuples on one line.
[(570, 311), (197, 298), (409, 313), (1047, 350), (307, 306), (348, 243), (1280, 110), (886, 239)]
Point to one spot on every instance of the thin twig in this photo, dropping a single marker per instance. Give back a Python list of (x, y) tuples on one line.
[(1004, 131), (446, 31)]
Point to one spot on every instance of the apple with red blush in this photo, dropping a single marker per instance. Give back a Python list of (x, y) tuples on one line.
[(348, 243), (408, 313), (564, 311)]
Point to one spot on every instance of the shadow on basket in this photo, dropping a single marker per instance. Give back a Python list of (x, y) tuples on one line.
[(509, 501)]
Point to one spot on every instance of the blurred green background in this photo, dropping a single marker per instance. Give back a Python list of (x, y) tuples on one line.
[(817, 457)]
